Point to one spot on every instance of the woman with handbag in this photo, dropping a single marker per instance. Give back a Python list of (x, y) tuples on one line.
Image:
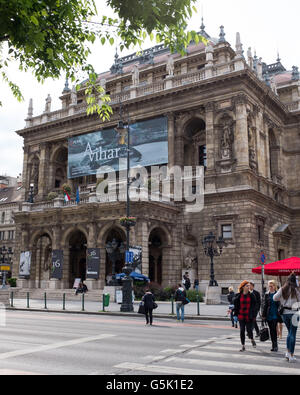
[(244, 309), (289, 298), (149, 304), (270, 313)]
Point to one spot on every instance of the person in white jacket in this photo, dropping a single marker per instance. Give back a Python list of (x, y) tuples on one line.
[(289, 298)]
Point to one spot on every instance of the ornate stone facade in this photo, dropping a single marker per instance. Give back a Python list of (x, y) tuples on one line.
[(221, 114)]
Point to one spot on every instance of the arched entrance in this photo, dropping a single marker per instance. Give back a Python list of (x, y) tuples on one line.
[(77, 248), (42, 258), (114, 245), (156, 255)]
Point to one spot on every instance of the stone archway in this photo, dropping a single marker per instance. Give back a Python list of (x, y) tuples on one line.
[(114, 261), (41, 261), (77, 256), (158, 242)]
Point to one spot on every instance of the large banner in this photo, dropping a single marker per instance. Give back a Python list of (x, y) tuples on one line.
[(57, 264), (25, 263), (148, 146), (93, 263)]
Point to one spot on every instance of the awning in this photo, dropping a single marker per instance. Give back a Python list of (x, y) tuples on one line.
[(281, 268)]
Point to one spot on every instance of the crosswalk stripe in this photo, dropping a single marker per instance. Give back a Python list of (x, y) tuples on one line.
[(169, 370), (258, 357), (238, 366)]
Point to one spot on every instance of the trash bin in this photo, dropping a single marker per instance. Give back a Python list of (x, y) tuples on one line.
[(106, 298)]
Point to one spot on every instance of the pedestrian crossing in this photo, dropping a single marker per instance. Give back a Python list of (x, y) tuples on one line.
[(215, 356)]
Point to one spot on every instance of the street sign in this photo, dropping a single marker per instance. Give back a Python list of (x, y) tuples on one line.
[(262, 258), (129, 257), (4, 268)]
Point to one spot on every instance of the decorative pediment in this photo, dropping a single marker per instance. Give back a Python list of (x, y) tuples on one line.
[(283, 230)]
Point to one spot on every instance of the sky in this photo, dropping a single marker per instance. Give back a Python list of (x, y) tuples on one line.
[(267, 26)]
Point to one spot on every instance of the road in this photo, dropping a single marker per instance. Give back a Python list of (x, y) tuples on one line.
[(71, 344)]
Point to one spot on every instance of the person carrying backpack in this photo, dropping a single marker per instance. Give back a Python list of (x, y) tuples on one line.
[(180, 297)]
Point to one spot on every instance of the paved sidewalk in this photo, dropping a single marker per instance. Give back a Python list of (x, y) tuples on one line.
[(164, 309)]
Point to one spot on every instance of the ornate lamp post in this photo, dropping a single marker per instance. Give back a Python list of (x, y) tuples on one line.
[(212, 248), (5, 259), (127, 305)]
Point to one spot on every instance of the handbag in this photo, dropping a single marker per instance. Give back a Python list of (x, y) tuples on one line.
[(264, 333), (155, 305), (186, 301), (141, 309)]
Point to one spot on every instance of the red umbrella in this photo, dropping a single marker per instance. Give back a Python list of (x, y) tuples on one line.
[(281, 268)]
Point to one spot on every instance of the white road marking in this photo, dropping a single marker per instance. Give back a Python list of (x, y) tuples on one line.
[(167, 370), (47, 347)]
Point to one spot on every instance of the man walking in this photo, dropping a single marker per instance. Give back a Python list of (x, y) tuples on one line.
[(257, 306), (180, 296)]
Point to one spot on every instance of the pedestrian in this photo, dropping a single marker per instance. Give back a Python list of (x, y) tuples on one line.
[(244, 309), (289, 298), (186, 281), (81, 289), (257, 306), (149, 301), (230, 298), (180, 296), (196, 285), (270, 313)]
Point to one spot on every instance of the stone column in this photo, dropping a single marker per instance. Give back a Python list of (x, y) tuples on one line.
[(171, 139), (25, 174), (43, 171), (145, 247), (210, 137), (241, 143)]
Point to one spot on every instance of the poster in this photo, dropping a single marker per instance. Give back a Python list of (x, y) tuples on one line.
[(57, 264), (137, 258), (25, 264), (93, 263), (148, 146)]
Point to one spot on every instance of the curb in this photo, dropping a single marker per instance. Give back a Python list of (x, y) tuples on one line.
[(119, 314)]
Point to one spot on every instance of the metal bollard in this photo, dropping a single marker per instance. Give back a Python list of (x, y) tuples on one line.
[(198, 305), (11, 299), (82, 300), (27, 300), (172, 300), (45, 300), (64, 301)]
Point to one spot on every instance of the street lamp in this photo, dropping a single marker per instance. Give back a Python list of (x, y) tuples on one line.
[(5, 260), (212, 248), (127, 305)]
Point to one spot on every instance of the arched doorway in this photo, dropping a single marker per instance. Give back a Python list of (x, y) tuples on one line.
[(42, 248), (114, 245), (77, 248), (156, 256)]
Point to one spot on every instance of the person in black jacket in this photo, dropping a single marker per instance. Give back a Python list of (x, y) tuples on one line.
[(180, 296), (244, 309), (270, 313), (257, 308), (148, 300), (230, 298)]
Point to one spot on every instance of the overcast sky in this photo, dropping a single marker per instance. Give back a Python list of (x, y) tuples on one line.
[(267, 26)]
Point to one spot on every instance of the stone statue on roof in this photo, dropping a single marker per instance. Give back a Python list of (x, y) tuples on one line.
[(135, 75), (48, 104), (170, 66)]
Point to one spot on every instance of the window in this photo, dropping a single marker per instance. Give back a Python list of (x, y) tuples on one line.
[(260, 231), (202, 156), (2, 235), (227, 231), (3, 218), (11, 234)]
